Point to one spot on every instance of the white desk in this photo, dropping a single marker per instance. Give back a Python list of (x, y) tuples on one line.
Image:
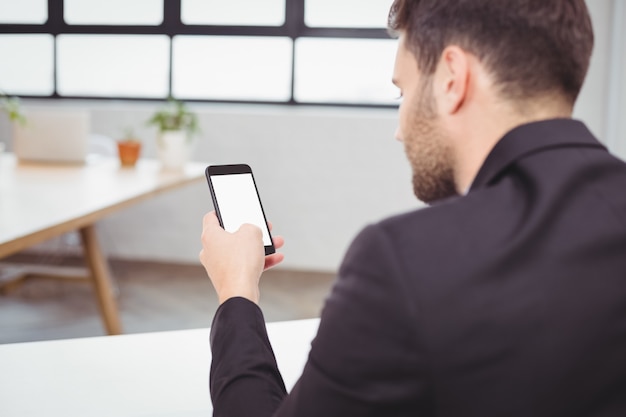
[(153, 374), (41, 201)]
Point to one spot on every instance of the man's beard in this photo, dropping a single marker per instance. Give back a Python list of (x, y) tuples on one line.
[(425, 146)]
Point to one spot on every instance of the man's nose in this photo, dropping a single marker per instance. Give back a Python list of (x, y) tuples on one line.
[(398, 135)]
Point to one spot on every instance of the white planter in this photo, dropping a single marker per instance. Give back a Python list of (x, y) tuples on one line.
[(174, 148)]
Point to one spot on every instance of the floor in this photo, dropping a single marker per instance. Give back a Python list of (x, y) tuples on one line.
[(151, 297)]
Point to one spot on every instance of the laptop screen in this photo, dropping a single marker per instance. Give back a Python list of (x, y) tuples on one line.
[(52, 135)]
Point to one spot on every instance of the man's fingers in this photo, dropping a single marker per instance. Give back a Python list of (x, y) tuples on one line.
[(252, 229), (273, 260), (210, 222), (279, 241), (210, 219)]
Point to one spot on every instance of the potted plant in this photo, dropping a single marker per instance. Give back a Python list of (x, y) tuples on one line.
[(177, 125), (11, 106), (129, 148)]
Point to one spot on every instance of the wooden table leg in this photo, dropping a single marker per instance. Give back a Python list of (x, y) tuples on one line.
[(101, 278)]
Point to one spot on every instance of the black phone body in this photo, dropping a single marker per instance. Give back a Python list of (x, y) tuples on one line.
[(236, 200)]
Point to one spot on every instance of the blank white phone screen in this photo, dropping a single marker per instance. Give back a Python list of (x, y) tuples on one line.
[(238, 203)]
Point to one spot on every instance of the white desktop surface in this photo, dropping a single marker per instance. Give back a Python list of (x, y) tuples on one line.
[(162, 374), (39, 201)]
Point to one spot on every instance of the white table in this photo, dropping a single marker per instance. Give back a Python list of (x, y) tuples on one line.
[(153, 374), (41, 201)]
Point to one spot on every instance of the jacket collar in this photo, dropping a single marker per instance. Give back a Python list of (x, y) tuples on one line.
[(530, 138)]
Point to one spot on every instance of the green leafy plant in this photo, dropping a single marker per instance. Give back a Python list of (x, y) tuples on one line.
[(175, 116), (11, 105), (129, 135)]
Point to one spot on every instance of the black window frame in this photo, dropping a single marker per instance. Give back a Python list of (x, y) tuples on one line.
[(294, 27)]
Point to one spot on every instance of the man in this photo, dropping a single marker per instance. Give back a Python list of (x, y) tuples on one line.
[(507, 297)]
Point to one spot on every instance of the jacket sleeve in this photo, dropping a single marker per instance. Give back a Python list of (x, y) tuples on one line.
[(244, 379), (367, 358)]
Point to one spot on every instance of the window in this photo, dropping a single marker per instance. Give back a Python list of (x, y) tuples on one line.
[(27, 67), (344, 70), (233, 12), (23, 11), (113, 65), (329, 52), (113, 12), (347, 13), (232, 68)]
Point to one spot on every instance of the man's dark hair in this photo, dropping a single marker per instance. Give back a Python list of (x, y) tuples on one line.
[(531, 47)]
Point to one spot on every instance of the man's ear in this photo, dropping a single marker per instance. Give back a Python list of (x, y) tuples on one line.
[(454, 76)]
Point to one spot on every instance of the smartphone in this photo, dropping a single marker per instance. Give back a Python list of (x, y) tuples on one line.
[(236, 200)]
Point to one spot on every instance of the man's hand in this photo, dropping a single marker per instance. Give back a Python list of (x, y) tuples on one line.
[(235, 261)]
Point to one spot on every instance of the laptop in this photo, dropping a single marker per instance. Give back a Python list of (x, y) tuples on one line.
[(55, 135)]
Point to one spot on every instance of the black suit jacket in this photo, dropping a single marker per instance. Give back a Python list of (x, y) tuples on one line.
[(508, 301)]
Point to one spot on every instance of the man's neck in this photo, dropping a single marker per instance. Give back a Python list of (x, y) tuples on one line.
[(485, 129)]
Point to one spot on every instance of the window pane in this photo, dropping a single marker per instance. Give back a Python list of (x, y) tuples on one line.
[(345, 70), (113, 12), (24, 11), (113, 65), (233, 12), (232, 68), (347, 13), (27, 64)]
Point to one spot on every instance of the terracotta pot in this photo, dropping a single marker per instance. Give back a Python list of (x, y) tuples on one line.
[(129, 152)]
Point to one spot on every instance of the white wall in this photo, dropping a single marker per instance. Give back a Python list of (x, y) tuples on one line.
[(323, 173), (616, 114), (592, 104)]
